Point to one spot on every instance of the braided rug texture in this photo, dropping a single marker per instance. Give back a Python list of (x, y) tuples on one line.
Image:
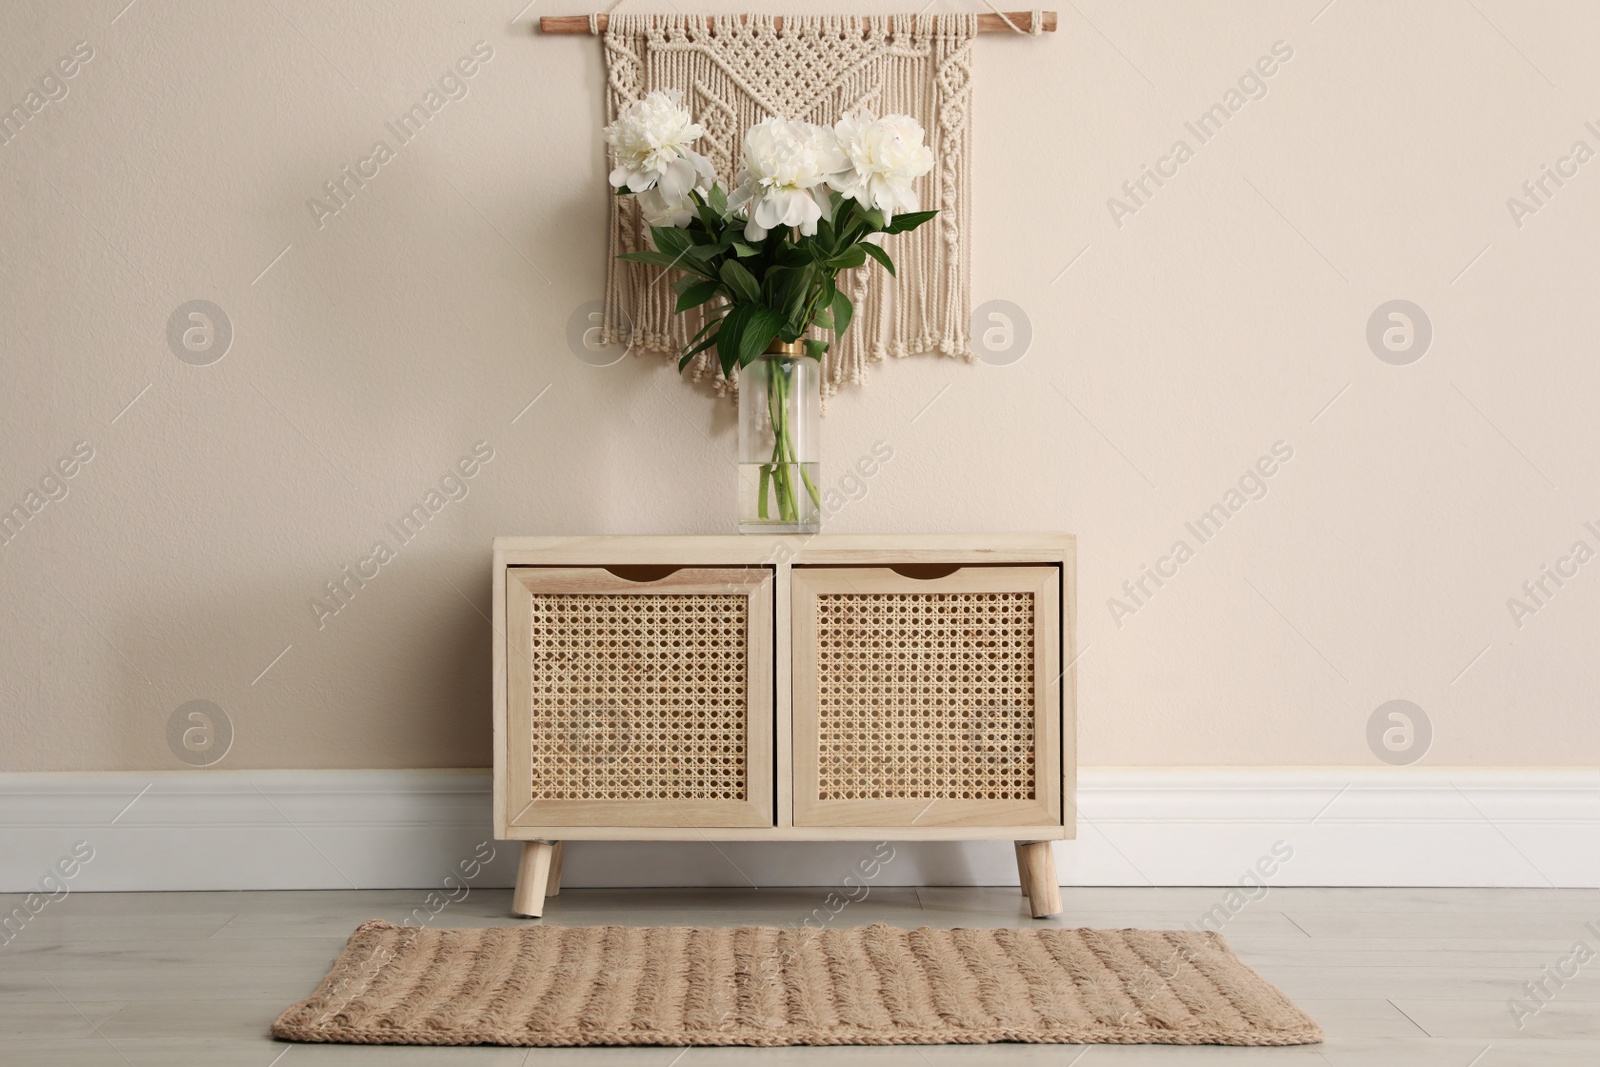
[(873, 985)]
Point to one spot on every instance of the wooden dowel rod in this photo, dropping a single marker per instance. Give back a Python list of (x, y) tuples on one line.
[(988, 22)]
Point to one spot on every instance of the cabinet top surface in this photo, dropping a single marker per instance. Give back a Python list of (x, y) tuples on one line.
[(875, 540), (791, 548)]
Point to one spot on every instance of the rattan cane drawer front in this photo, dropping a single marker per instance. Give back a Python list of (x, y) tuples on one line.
[(927, 701), (643, 703)]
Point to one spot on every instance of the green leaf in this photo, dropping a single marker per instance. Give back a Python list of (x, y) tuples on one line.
[(874, 218), (880, 255), (745, 334), (814, 348), (702, 253), (740, 281), (840, 207), (671, 240), (843, 312), (909, 221), (695, 351), (850, 257), (733, 327), (681, 246), (718, 200), (710, 217), (732, 239), (823, 246), (714, 316), (771, 281), (823, 303), (693, 295), (802, 295), (790, 287), (674, 248), (759, 333), (789, 255)]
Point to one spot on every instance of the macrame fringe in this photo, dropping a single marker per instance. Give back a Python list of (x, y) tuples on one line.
[(733, 74)]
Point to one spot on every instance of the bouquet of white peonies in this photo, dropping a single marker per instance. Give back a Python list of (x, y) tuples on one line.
[(808, 202), (763, 257)]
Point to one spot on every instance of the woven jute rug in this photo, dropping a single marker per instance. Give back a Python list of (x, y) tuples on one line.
[(873, 985)]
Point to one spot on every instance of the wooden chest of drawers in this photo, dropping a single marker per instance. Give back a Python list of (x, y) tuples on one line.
[(831, 687)]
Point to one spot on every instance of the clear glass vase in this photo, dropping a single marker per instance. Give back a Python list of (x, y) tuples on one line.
[(779, 455)]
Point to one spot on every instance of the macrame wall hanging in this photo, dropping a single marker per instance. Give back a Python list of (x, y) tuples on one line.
[(734, 71)]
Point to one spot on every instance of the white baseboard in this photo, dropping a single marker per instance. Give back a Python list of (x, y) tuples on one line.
[(192, 830)]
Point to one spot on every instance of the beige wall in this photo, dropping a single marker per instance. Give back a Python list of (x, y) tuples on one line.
[(1222, 316)]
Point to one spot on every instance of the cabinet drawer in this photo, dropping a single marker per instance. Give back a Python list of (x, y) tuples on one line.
[(927, 700), (639, 697)]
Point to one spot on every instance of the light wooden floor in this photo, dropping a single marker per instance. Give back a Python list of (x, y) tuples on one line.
[(1397, 977)]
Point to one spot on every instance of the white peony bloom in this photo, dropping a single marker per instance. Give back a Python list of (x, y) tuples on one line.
[(882, 158), (650, 143), (783, 183)]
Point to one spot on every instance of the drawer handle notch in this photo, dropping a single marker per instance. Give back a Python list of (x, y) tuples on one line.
[(643, 573), (925, 572)]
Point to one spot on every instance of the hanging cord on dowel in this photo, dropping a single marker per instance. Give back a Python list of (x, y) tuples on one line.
[(1035, 20), (596, 16)]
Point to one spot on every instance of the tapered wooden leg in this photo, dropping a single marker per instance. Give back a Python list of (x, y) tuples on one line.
[(1037, 860), (533, 875), (554, 886), (1022, 870)]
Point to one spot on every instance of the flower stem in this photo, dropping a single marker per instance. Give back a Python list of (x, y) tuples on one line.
[(815, 497), (779, 473), (776, 411), (786, 448)]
